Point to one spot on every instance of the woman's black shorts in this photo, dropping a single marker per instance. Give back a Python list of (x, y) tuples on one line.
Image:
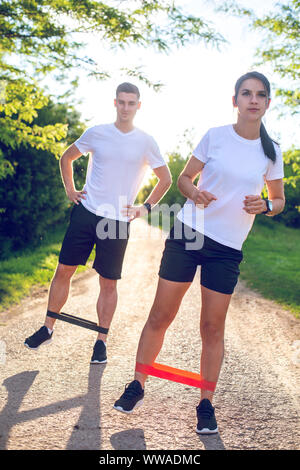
[(219, 263), (86, 230)]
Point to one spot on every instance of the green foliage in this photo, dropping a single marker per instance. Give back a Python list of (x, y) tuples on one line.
[(45, 31), (280, 44), (19, 108), (176, 164), (291, 214), (33, 198), (283, 50), (46, 36), (280, 47)]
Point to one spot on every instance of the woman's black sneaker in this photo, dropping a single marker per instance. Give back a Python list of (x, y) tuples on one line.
[(131, 398), (207, 423), (99, 353), (40, 337)]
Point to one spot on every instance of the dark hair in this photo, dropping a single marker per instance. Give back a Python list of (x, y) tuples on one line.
[(128, 88), (266, 141)]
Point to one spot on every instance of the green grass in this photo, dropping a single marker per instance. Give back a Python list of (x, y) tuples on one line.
[(271, 263), (34, 266)]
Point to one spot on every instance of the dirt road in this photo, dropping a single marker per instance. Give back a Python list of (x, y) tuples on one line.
[(54, 399)]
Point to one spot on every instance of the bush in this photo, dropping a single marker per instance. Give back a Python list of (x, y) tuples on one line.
[(33, 197), (291, 214), (176, 164)]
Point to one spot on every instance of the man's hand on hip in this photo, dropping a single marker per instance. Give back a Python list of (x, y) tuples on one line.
[(75, 196)]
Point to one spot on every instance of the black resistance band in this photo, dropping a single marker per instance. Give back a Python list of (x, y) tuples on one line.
[(77, 321)]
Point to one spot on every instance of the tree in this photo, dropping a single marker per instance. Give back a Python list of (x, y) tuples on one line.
[(176, 164), (282, 30), (33, 198), (46, 36), (291, 215), (18, 109), (281, 48), (48, 32), (280, 45)]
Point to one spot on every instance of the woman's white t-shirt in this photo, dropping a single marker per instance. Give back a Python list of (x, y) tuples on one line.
[(117, 164), (234, 168)]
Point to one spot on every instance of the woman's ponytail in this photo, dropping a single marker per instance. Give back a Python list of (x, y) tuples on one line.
[(267, 143)]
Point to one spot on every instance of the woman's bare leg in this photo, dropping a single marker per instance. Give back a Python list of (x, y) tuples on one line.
[(167, 301), (212, 327)]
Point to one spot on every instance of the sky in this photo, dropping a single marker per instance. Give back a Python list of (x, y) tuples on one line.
[(198, 82)]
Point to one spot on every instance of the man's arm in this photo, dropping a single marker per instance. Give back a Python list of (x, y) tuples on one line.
[(164, 182), (66, 167)]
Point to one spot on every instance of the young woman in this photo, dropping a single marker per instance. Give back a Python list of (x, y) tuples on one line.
[(234, 162)]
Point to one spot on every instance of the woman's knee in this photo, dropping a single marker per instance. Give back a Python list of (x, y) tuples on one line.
[(160, 318), (212, 331)]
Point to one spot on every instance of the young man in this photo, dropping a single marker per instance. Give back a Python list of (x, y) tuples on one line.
[(119, 156)]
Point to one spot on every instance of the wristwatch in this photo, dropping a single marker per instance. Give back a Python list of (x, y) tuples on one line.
[(148, 206), (269, 206)]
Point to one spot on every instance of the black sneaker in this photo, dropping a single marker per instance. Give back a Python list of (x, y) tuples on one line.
[(99, 353), (207, 423), (131, 398), (39, 338)]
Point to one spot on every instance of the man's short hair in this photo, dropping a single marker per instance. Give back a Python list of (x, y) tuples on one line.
[(127, 88)]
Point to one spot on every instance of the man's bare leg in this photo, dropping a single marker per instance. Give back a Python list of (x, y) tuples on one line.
[(106, 304), (59, 290)]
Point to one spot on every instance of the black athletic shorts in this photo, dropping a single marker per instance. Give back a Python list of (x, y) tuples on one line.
[(86, 230), (219, 263)]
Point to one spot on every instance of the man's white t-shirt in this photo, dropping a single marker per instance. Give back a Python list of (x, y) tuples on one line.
[(117, 164), (234, 168)]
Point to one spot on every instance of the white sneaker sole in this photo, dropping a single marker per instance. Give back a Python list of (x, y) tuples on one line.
[(207, 431), (42, 344), (119, 408), (99, 362)]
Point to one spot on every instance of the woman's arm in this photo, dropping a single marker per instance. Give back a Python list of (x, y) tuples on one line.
[(256, 205), (276, 195), (186, 186)]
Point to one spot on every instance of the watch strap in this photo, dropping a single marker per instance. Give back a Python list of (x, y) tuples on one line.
[(148, 206), (268, 207)]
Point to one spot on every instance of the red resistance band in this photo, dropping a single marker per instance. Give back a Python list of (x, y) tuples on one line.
[(175, 375)]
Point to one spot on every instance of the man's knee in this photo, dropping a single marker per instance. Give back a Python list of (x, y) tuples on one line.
[(108, 286), (64, 272)]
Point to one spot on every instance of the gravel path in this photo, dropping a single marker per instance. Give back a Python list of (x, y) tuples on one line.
[(54, 399)]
